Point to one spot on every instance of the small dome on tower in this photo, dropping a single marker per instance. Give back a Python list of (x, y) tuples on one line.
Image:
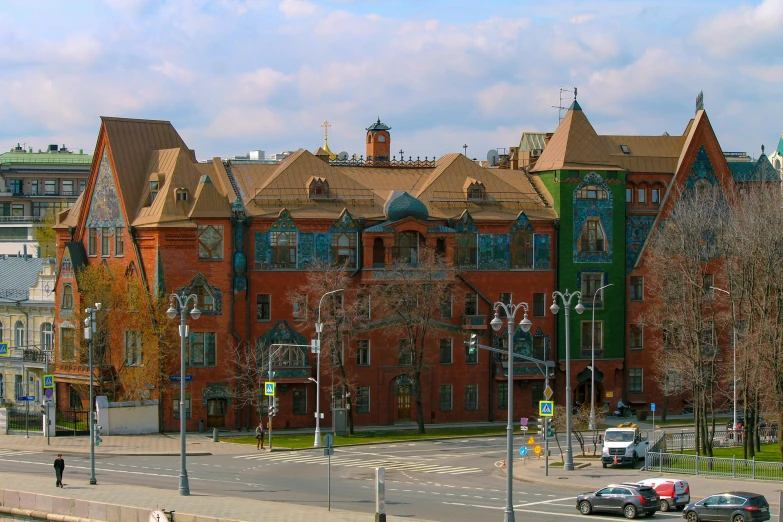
[(401, 205)]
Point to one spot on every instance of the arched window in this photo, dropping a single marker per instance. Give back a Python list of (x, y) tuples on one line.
[(19, 334), (521, 249), (67, 265), (206, 303), (67, 300), (407, 248), (378, 253), (181, 194), (319, 188), (344, 249), (381, 138), (592, 192), (283, 249), (46, 336), (593, 238)]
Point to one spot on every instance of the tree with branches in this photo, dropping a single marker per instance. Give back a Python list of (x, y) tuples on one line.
[(411, 303)]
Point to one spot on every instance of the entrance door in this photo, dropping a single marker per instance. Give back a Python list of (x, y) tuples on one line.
[(216, 413), (404, 403), (583, 394)]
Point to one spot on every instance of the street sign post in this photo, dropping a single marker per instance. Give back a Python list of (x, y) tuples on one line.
[(531, 440), (328, 451), (523, 428), (523, 421), (4, 351), (537, 449), (652, 409), (177, 378), (269, 389), (28, 398), (546, 408), (48, 382), (523, 451), (548, 393), (380, 494), (49, 393)]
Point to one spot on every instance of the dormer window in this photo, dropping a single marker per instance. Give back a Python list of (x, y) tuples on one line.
[(625, 150), (474, 190), (592, 192), (180, 194), (154, 189), (318, 188)]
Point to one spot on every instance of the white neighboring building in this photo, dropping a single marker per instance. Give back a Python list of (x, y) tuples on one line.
[(777, 156), (26, 325)]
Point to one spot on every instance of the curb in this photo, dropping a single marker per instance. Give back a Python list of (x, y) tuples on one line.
[(87, 452)]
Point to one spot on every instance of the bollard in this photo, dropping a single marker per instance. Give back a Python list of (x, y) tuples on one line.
[(215, 436)]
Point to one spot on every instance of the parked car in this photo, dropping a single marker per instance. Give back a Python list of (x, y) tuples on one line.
[(674, 493), (735, 506), (628, 499)]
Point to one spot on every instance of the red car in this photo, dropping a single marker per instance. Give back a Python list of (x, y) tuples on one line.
[(674, 493)]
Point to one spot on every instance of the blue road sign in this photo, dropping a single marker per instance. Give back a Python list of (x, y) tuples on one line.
[(24, 398), (652, 407), (4, 351), (523, 450), (269, 389), (546, 408), (176, 378), (48, 381)]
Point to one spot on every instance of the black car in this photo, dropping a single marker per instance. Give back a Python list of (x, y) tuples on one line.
[(736, 506), (628, 499)]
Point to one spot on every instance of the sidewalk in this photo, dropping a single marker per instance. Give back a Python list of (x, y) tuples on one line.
[(594, 477), (101, 502), (156, 444)]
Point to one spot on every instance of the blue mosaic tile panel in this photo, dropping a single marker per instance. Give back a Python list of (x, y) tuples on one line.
[(542, 251), (493, 251), (284, 223), (637, 228), (105, 210), (345, 222), (323, 246), (522, 223), (261, 251), (465, 223), (305, 249), (600, 208), (701, 170)]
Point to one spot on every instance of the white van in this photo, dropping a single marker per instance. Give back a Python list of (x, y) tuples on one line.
[(674, 493)]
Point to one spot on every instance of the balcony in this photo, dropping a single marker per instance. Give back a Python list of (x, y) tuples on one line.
[(474, 322), (36, 355), (19, 219)]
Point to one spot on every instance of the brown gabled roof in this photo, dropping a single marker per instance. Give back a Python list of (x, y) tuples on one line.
[(70, 216), (209, 202), (575, 146), (131, 141), (649, 154)]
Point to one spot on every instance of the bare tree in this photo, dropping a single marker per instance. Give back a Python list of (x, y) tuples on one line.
[(244, 362), (686, 258), (411, 303), (341, 313)]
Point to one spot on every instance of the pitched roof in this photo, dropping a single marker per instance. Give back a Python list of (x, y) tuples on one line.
[(575, 145), (749, 171), (131, 141), (70, 216), (209, 202), (20, 273), (532, 141)]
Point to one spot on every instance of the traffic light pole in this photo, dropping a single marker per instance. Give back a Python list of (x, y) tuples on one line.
[(89, 334)]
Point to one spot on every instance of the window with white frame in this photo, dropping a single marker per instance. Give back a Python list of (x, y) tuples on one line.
[(188, 409), (445, 351), (591, 282), (637, 337), (444, 397), (635, 378), (201, 350), (587, 338), (363, 352), (19, 334), (637, 288), (133, 355)]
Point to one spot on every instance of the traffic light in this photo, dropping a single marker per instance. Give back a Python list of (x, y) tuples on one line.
[(272, 406), (97, 428), (473, 344)]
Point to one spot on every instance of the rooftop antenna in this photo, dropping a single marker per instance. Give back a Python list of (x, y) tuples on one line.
[(560, 107)]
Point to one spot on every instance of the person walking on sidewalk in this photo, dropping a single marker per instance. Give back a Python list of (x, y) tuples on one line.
[(260, 435), (59, 466)]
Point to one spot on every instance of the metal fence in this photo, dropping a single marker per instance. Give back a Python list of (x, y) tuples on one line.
[(16, 421), (723, 438), (72, 422), (714, 466)]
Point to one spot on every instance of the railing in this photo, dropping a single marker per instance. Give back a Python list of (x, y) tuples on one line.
[(657, 462), (686, 440), (16, 421), (34, 355), (474, 322), (19, 219)]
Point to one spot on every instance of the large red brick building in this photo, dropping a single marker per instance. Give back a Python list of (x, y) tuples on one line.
[(242, 236)]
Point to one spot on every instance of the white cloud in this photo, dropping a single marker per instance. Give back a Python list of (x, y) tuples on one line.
[(296, 8), (581, 18), (732, 31)]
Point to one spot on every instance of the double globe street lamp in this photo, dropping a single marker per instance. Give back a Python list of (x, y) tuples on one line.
[(566, 298), (510, 310), (171, 313)]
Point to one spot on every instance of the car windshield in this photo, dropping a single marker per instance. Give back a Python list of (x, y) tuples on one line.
[(619, 436)]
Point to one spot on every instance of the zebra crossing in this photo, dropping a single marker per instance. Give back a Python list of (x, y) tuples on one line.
[(299, 457), (14, 453)]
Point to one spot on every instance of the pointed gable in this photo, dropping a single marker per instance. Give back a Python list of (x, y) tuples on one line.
[(209, 203), (576, 146), (105, 209)]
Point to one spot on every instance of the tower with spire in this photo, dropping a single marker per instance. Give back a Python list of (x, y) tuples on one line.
[(378, 142)]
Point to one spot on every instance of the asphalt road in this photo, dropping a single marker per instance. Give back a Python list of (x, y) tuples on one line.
[(455, 481)]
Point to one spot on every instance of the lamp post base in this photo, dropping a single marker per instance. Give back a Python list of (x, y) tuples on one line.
[(508, 516), (317, 442), (184, 488), (93, 481)]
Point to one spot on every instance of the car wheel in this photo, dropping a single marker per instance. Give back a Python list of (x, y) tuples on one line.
[(692, 516), (738, 518), (664, 506), (629, 511), (585, 508)]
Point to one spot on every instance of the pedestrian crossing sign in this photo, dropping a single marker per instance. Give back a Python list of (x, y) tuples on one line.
[(269, 389), (546, 408), (48, 381), (4, 352)]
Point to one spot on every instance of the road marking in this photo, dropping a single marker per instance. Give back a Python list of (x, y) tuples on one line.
[(546, 501), (11, 452)]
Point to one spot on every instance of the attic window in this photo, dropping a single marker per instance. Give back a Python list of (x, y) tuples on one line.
[(154, 189), (625, 150), (181, 194), (592, 192), (319, 189), (477, 192)]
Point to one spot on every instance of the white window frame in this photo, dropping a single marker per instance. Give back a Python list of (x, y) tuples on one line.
[(451, 397), (369, 352), (451, 350), (369, 399)]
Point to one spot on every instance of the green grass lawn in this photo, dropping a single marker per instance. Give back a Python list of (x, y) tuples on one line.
[(365, 437), (769, 453)]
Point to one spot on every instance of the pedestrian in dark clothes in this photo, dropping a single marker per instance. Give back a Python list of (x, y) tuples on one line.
[(59, 466), (260, 435)]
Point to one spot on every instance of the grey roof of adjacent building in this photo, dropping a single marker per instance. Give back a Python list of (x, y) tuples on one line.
[(18, 274)]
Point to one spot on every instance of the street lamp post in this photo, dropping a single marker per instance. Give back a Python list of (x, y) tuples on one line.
[(734, 372), (591, 427), (89, 334), (195, 313), (566, 299), (319, 326), (510, 311)]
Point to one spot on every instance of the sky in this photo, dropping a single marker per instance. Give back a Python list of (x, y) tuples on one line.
[(240, 75)]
